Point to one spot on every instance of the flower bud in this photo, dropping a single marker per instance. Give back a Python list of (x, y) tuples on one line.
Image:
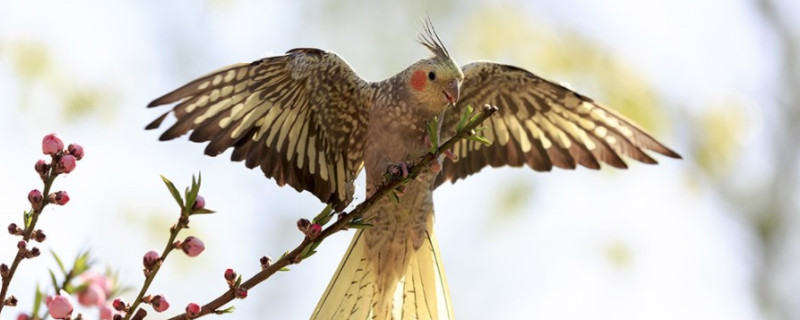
[(23, 316), (241, 293), (12, 229), (160, 303), (314, 230), (35, 197), (32, 253), (119, 305), (192, 310), (149, 261), (60, 198), (41, 167), (199, 203), (192, 246), (10, 301), (39, 235), (302, 225), (265, 262), (3, 270), (230, 276), (22, 244), (75, 150), (58, 307), (52, 144), (66, 164)]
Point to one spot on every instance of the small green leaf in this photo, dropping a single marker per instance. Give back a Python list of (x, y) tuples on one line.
[(393, 196), (308, 254), (191, 196), (464, 118), (37, 302), (284, 269), (82, 263), (479, 139), (202, 211), (433, 137), (26, 218), (359, 225), (324, 216), (55, 282), (226, 310), (238, 281), (173, 191), (58, 261)]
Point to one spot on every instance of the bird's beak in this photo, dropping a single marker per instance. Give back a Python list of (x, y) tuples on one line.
[(451, 92)]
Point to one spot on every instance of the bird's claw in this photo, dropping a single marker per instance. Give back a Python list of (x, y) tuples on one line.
[(399, 170)]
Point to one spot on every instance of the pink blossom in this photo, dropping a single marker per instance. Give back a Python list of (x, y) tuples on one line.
[(41, 166), (106, 313), (98, 279), (119, 305), (193, 310), (58, 307), (92, 295), (192, 246), (66, 164), (23, 316), (160, 303), (230, 275), (52, 144), (75, 150), (241, 293)]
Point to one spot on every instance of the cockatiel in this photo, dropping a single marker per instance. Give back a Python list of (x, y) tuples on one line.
[(309, 121)]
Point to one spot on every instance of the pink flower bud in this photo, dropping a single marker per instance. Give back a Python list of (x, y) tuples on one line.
[(230, 275), (41, 166), (199, 203), (315, 229), (106, 313), (35, 197), (265, 262), (60, 198), (23, 316), (21, 244), (160, 303), (58, 307), (192, 246), (52, 144), (241, 293), (12, 229), (193, 310), (75, 150), (119, 305), (66, 164), (150, 259), (92, 295)]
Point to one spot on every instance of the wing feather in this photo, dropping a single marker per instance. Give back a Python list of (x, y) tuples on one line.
[(298, 116), (540, 124)]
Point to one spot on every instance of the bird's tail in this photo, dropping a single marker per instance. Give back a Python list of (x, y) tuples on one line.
[(421, 292)]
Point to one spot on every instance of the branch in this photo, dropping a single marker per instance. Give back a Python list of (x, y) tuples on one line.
[(344, 220)]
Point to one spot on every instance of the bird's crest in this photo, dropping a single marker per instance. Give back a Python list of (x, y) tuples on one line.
[(430, 40)]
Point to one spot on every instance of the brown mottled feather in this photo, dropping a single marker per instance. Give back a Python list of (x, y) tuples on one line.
[(556, 126), (265, 108)]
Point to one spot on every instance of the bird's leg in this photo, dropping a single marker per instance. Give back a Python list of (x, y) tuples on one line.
[(398, 170)]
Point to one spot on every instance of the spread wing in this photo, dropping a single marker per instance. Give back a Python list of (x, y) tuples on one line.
[(540, 124), (301, 117)]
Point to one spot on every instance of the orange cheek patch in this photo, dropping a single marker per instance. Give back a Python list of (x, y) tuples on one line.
[(418, 80)]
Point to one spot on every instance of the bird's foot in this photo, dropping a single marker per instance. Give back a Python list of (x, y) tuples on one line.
[(398, 171)]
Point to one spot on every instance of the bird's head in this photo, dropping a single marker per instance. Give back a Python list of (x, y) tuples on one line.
[(436, 80)]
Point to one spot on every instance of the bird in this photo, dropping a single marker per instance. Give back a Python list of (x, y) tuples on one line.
[(308, 120)]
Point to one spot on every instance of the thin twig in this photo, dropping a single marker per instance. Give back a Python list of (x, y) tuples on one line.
[(295, 255)]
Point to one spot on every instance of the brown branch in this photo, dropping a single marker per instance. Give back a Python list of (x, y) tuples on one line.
[(344, 220)]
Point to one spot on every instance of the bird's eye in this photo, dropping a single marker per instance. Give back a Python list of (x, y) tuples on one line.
[(432, 75)]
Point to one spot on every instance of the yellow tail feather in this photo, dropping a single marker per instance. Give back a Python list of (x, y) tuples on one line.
[(420, 294)]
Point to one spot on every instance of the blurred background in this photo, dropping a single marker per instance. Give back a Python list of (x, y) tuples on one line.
[(714, 236)]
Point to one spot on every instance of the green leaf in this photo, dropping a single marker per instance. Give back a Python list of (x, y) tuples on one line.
[(26, 218), (479, 139), (58, 261), (284, 269), (202, 211), (82, 263), (324, 216), (393, 196), (359, 225), (55, 282), (238, 281), (433, 137), (227, 310), (464, 118), (308, 254), (191, 196), (37, 302), (175, 194)]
